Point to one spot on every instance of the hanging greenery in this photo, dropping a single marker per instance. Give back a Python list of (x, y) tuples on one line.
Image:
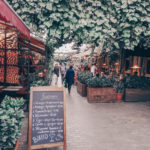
[(112, 24)]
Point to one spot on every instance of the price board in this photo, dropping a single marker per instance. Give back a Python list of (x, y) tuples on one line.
[(47, 118)]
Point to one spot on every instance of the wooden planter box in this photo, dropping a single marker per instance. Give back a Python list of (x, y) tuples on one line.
[(82, 89), (101, 95), (137, 95)]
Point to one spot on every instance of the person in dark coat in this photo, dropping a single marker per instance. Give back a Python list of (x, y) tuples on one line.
[(70, 78)]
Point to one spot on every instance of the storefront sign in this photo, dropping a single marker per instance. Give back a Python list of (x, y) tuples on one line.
[(47, 121)]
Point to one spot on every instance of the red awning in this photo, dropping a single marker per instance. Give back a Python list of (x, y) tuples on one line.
[(34, 44), (34, 48), (8, 15)]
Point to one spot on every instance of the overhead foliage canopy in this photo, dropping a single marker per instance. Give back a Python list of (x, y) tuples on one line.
[(112, 24)]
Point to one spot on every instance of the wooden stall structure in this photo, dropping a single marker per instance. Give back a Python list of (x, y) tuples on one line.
[(137, 61), (20, 59), (20, 53), (129, 62)]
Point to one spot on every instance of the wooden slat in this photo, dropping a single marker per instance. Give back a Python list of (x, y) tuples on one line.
[(47, 146)]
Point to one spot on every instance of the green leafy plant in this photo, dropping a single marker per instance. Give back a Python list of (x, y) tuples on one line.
[(99, 82), (137, 82), (119, 85), (40, 83), (11, 116), (22, 78), (111, 24), (84, 77)]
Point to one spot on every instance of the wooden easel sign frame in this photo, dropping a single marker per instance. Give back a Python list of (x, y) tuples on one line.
[(47, 118)]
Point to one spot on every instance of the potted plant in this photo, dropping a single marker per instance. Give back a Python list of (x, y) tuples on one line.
[(120, 88), (11, 115), (39, 83), (100, 89), (137, 88), (23, 80), (82, 82)]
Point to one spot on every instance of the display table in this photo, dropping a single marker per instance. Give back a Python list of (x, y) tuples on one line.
[(12, 88), (1, 87), (14, 91)]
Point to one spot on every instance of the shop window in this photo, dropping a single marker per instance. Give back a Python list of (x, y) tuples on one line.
[(17, 58), (8, 56), (148, 67)]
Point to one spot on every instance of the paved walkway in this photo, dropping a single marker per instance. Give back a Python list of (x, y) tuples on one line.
[(104, 126)]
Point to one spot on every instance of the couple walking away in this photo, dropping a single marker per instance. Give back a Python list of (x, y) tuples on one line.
[(69, 76)]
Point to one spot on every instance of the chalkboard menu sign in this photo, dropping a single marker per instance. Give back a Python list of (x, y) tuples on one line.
[(47, 119)]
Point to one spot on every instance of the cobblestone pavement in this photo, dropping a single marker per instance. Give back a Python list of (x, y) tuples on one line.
[(103, 126)]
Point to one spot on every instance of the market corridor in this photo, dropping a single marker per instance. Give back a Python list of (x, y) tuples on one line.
[(104, 126)]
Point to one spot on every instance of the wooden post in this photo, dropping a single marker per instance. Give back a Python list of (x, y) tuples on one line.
[(121, 52), (132, 64), (122, 61), (5, 59)]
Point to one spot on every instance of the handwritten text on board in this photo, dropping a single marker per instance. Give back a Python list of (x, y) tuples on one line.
[(47, 117)]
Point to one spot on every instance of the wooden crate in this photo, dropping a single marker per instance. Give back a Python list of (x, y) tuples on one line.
[(137, 94)]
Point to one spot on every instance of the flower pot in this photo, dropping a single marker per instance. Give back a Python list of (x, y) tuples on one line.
[(119, 96), (17, 145)]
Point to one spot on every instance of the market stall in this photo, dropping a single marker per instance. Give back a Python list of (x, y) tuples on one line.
[(137, 61), (20, 54), (19, 58)]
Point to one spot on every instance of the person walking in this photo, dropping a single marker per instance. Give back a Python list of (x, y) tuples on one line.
[(93, 69), (62, 71), (70, 78), (56, 72)]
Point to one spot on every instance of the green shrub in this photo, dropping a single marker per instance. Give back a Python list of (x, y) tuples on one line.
[(119, 85), (40, 83), (99, 82), (84, 77), (137, 82), (11, 116)]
